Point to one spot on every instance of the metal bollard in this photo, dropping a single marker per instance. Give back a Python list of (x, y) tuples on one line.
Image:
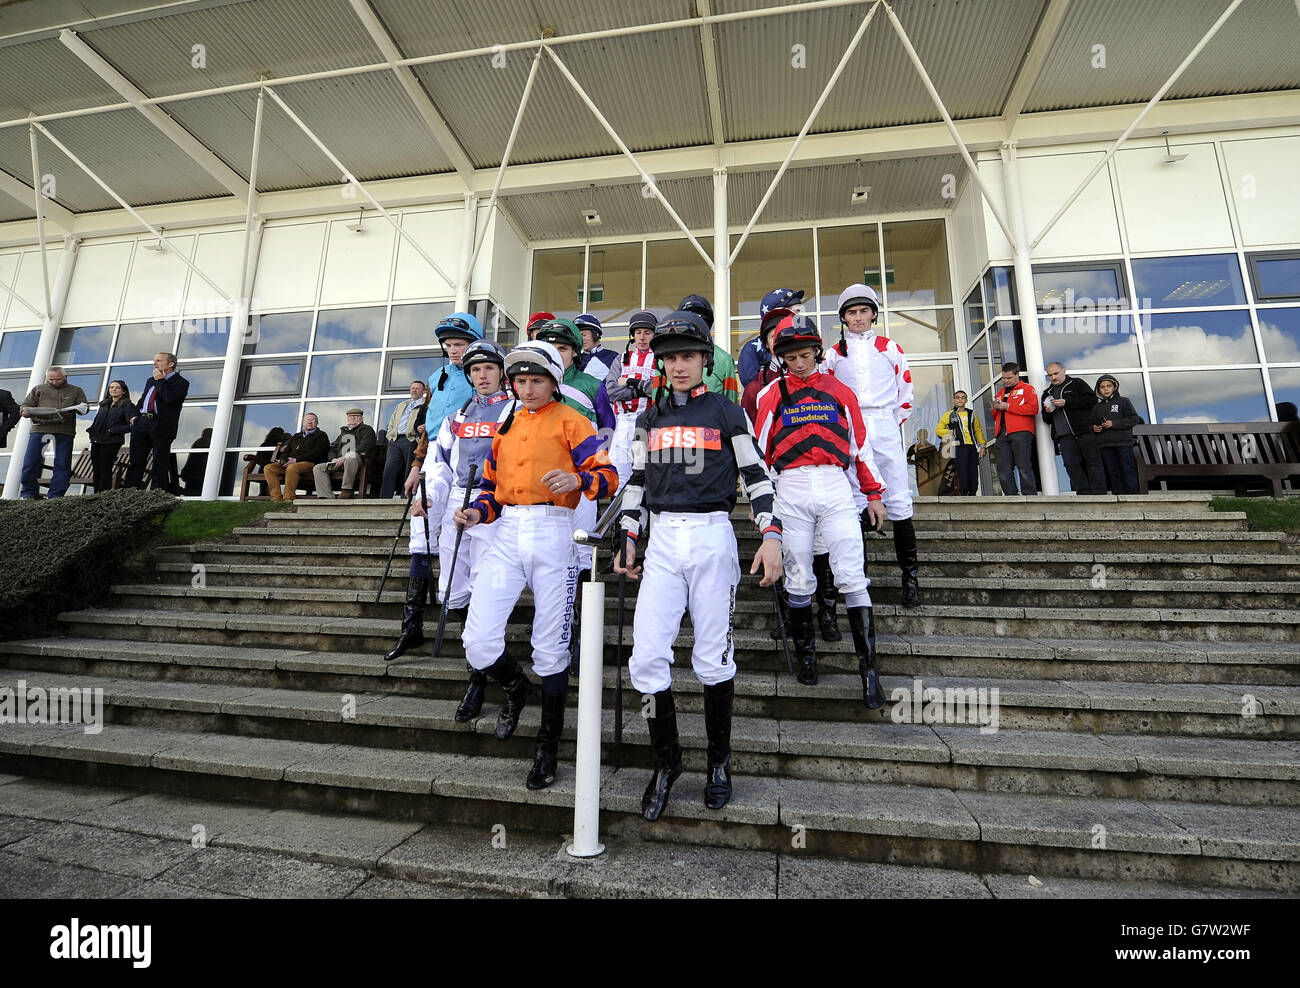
[(586, 798)]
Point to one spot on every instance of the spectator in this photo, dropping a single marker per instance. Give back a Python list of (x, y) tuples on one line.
[(1014, 407), (154, 427), (1113, 418), (108, 432), (196, 465), (302, 452), (1068, 405), (10, 413), (756, 354), (967, 441), (1286, 412), (53, 406), (346, 453), (403, 434), (769, 371)]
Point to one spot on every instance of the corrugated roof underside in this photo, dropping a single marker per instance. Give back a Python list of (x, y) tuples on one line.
[(1255, 51), (44, 77)]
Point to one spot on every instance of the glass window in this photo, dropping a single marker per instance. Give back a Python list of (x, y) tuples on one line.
[(250, 423), (1079, 289), (345, 374), (1184, 282), (977, 361), (208, 337), (1209, 396), (497, 325), (280, 332), (16, 385), (1200, 339), (142, 340), (271, 379), (133, 375), (89, 381), (349, 329), (1005, 344), (1286, 384), (921, 330), (205, 382), (557, 281), (848, 255), (413, 325), (1101, 341), (1280, 331), (194, 420), (1000, 292), (770, 260), (974, 308), (1130, 386), (614, 276), (405, 368), (83, 345), (933, 387), (1276, 277), (674, 270), (916, 264), (19, 349)]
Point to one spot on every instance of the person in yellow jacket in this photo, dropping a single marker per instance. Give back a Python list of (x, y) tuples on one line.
[(967, 442)]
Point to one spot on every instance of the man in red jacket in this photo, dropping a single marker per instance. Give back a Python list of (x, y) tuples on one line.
[(1014, 408)]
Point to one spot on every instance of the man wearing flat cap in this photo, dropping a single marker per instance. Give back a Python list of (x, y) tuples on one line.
[(354, 441)]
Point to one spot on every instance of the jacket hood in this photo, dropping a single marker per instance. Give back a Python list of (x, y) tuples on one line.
[(1106, 377)]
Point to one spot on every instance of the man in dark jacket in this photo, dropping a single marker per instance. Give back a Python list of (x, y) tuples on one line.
[(354, 441), (301, 453), (10, 413), (155, 427), (1113, 419), (53, 408), (1067, 407)]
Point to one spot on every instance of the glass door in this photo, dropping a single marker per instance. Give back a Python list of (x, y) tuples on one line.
[(933, 381)]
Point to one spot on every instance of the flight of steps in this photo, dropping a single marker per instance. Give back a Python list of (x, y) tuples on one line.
[(1145, 653)]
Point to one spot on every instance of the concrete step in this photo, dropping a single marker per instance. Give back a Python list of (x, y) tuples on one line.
[(960, 757), (57, 833), (1005, 541), (1239, 706), (1251, 847), (315, 594), (922, 653)]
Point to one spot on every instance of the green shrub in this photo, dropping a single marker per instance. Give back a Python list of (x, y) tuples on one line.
[(65, 553)]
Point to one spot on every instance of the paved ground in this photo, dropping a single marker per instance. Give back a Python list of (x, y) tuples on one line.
[(66, 840)]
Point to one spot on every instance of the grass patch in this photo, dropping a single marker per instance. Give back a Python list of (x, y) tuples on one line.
[(194, 521), (1264, 514)]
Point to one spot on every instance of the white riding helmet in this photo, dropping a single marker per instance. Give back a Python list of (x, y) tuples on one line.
[(535, 357), (858, 295)]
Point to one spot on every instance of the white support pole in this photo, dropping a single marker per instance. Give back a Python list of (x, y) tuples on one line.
[(349, 177), (40, 216), (807, 125), (239, 317), (469, 251), (1110, 153), (721, 263), (586, 796), (41, 362), (505, 157), (1027, 306), (645, 176), (947, 119), (127, 206)]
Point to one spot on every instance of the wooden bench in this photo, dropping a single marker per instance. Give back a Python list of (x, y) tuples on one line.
[(372, 467), (83, 470), (1236, 455)]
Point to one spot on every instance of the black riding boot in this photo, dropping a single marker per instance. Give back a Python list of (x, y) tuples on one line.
[(412, 635), (864, 642), (668, 754), (548, 741), (805, 643), (783, 603), (905, 549), (512, 679), (717, 725), (826, 598), (575, 631), (471, 705)]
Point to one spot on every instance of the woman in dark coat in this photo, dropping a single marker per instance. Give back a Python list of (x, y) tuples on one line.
[(108, 431)]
